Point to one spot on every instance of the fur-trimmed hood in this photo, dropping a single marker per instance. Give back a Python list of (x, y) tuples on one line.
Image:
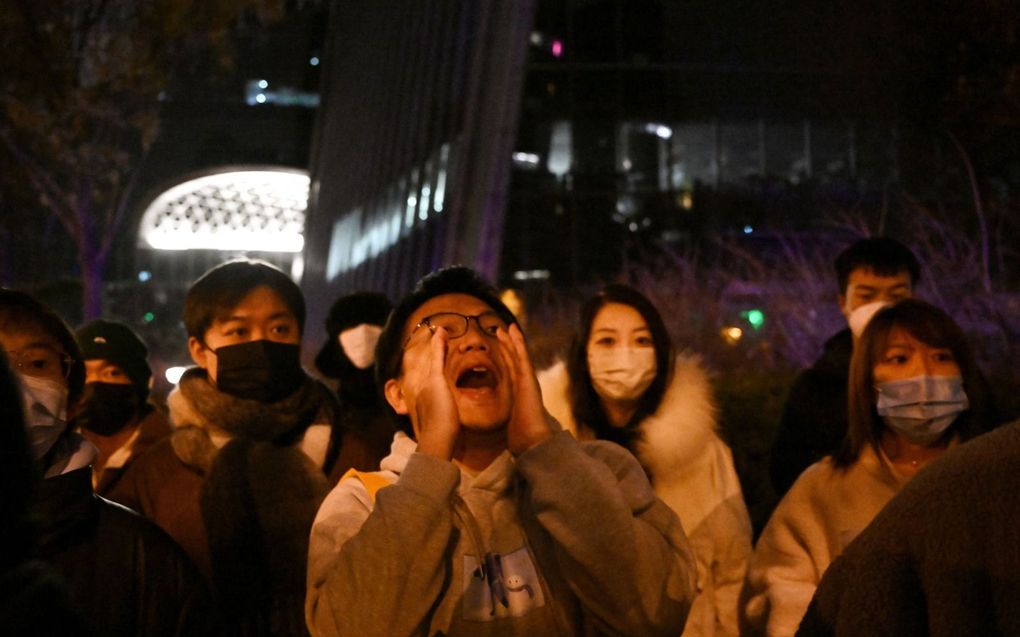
[(675, 435), (690, 466)]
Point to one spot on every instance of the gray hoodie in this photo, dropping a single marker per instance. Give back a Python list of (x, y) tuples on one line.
[(573, 539)]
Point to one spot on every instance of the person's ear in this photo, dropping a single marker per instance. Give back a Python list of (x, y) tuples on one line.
[(395, 396), (199, 352)]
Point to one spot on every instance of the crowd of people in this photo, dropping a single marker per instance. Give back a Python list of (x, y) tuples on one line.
[(427, 480)]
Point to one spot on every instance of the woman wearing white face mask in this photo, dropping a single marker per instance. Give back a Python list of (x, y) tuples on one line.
[(623, 382), (914, 391), (353, 327)]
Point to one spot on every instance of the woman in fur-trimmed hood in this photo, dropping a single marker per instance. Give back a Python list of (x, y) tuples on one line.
[(623, 382)]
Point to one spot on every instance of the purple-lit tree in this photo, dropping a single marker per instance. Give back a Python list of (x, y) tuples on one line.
[(80, 102)]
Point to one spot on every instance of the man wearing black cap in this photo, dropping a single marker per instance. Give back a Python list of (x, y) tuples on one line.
[(114, 414)]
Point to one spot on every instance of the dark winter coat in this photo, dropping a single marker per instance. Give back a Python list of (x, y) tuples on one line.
[(942, 558), (115, 482), (814, 419), (364, 426), (236, 487), (125, 576)]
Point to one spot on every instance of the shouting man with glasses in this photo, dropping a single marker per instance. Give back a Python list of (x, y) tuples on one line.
[(486, 518)]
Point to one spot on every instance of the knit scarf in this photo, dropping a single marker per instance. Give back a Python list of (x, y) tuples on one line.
[(260, 495)]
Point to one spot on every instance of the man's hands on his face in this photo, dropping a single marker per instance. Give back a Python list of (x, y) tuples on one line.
[(529, 423), (435, 408)]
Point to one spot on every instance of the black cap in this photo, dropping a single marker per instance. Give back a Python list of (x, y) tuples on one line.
[(117, 343)]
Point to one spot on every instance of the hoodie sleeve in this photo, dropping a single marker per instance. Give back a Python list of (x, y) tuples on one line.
[(622, 549), (377, 571)]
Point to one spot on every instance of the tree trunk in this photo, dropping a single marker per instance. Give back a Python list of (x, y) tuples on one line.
[(92, 286)]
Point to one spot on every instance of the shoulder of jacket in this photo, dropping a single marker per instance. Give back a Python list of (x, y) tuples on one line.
[(555, 384)]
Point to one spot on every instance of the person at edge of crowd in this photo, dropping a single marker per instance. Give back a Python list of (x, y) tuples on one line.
[(114, 413), (33, 597), (914, 391), (125, 576), (814, 419), (490, 520), (241, 477), (348, 356), (623, 382), (941, 559)]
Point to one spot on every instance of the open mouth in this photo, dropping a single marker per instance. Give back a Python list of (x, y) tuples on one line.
[(477, 377)]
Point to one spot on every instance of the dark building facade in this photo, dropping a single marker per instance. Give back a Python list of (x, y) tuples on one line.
[(410, 166)]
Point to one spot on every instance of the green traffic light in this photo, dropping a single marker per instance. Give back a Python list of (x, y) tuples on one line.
[(755, 317), (149, 317)]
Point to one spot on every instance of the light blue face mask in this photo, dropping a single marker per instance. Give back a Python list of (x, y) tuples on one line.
[(922, 407)]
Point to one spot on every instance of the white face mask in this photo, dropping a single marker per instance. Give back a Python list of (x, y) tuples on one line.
[(359, 342), (45, 405), (861, 316), (621, 373)]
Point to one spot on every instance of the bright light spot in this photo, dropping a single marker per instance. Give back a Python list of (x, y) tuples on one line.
[(173, 374), (561, 148), (149, 317), (748, 229), (686, 201), (632, 226), (514, 302), (526, 275), (144, 276), (659, 130), (260, 98), (219, 221), (314, 61), (535, 38), (627, 164), (731, 335), (263, 84), (557, 48), (755, 317), (528, 161)]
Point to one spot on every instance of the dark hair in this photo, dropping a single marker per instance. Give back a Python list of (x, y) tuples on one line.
[(933, 327), (347, 312), (20, 309), (455, 279), (18, 472), (881, 255), (219, 290), (584, 401)]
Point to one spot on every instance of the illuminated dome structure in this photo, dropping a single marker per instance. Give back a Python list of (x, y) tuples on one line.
[(241, 210), (214, 216)]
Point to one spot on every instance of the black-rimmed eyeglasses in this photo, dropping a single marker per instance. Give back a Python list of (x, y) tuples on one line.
[(456, 325)]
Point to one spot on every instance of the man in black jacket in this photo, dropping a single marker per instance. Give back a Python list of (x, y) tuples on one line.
[(814, 418), (124, 575)]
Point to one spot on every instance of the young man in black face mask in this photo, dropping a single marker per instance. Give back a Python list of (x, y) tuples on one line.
[(113, 413), (239, 481)]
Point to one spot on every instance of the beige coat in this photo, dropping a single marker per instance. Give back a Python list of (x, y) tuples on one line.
[(692, 471), (823, 511)]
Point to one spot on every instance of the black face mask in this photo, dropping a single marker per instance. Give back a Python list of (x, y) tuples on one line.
[(265, 371), (106, 408)]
